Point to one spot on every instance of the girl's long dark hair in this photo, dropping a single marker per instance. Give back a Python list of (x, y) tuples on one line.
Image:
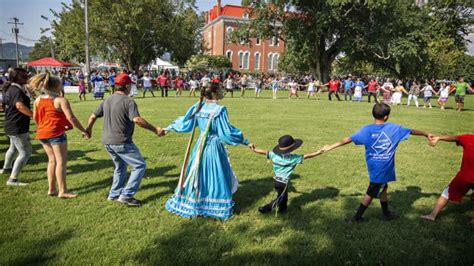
[(206, 93), (13, 77)]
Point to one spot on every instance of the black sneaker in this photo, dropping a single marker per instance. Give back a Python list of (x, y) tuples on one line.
[(131, 202), (355, 220), (390, 216), (264, 209)]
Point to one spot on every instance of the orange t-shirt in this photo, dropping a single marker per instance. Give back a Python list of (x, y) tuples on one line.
[(51, 122)]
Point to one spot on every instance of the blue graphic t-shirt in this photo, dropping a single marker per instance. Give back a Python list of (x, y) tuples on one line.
[(348, 84), (381, 142)]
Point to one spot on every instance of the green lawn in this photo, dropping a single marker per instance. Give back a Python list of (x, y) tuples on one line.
[(325, 191)]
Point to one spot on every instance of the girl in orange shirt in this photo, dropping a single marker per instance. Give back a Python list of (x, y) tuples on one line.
[(54, 116)]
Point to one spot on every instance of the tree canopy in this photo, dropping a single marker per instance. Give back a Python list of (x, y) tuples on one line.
[(397, 36), (41, 49), (132, 32)]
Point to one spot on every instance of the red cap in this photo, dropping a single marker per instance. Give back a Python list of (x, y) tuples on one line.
[(122, 79)]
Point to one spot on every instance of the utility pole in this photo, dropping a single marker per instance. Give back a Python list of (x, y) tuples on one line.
[(15, 30), (1, 48), (86, 17)]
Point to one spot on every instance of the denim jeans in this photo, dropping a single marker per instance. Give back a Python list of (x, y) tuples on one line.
[(122, 156), (22, 144), (346, 93)]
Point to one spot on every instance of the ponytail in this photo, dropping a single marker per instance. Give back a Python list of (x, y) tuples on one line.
[(201, 100), (45, 82)]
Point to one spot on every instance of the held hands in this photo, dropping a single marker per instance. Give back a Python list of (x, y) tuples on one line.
[(86, 134), (251, 147), (160, 132), (433, 141)]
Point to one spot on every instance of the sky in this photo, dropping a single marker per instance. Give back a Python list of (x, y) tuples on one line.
[(29, 12)]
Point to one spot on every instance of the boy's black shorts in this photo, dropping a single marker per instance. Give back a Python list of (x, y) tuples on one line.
[(375, 189)]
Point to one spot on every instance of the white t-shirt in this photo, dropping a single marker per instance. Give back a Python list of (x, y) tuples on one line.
[(205, 81), (388, 85), (444, 92), (428, 91), (311, 86), (146, 82), (194, 84), (358, 91), (229, 84)]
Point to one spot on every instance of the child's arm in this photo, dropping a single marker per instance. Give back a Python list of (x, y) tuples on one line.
[(415, 132), (313, 154), (256, 150), (337, 144), (435, 139)]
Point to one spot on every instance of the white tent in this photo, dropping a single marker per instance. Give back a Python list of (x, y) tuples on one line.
[(159, 64)]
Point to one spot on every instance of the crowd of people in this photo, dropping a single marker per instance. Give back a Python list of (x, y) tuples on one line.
[(207, 182), (390, 91)]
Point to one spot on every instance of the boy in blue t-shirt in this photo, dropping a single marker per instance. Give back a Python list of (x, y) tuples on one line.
[(284, 164), (381, 140)]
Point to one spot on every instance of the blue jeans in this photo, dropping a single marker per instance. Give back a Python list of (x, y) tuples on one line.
[(22, 144), (122, 156)]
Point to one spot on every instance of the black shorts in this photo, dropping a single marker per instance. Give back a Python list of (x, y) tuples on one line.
[(376, 189), (229, 90), (459, 99)]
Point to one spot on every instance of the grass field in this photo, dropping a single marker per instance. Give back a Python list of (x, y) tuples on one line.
[(325, 191)]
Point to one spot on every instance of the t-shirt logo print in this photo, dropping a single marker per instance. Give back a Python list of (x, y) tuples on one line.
[(382, 144)]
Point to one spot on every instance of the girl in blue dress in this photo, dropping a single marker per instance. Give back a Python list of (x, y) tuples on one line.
[(207, 181)]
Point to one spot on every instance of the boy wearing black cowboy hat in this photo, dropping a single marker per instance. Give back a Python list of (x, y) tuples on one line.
[(284, 164)]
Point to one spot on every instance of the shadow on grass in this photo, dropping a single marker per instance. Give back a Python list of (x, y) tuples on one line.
[(40, 252), (160, 171), (251, 191), (316, 194), (193, 243)]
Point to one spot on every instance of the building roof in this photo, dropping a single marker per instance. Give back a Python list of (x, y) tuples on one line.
[(227, 11)]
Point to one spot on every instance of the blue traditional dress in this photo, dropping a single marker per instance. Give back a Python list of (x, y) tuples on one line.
[(207, 185)]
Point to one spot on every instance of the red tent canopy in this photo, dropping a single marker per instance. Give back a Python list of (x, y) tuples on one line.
[(49, 62)]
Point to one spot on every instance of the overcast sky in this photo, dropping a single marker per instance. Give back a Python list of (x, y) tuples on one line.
[(29, 12)]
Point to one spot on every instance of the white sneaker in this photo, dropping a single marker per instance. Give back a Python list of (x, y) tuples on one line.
[(5, 171), (15, 182)]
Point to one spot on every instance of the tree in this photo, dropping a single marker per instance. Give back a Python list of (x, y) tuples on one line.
[(130, 31), (392, 35), (204, 63), (465, 67), (41, 49)]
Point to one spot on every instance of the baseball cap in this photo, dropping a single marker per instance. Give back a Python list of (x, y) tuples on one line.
[(122, 79)]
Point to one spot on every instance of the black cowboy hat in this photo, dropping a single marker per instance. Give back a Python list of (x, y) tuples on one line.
[(287, 144)]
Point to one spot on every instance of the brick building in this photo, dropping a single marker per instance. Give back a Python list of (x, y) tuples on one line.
[(261, 55)]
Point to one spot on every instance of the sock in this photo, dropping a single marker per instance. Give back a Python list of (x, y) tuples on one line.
[(360, 211), (385, 210)]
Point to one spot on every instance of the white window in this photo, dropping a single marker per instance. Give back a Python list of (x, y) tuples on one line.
[(258, 41), (276, 58), (229, 30), (274, 41), (246, 16), (241, 59), (209, 38), (270, 61), (257, 61), (246, 60), (229, 54)]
